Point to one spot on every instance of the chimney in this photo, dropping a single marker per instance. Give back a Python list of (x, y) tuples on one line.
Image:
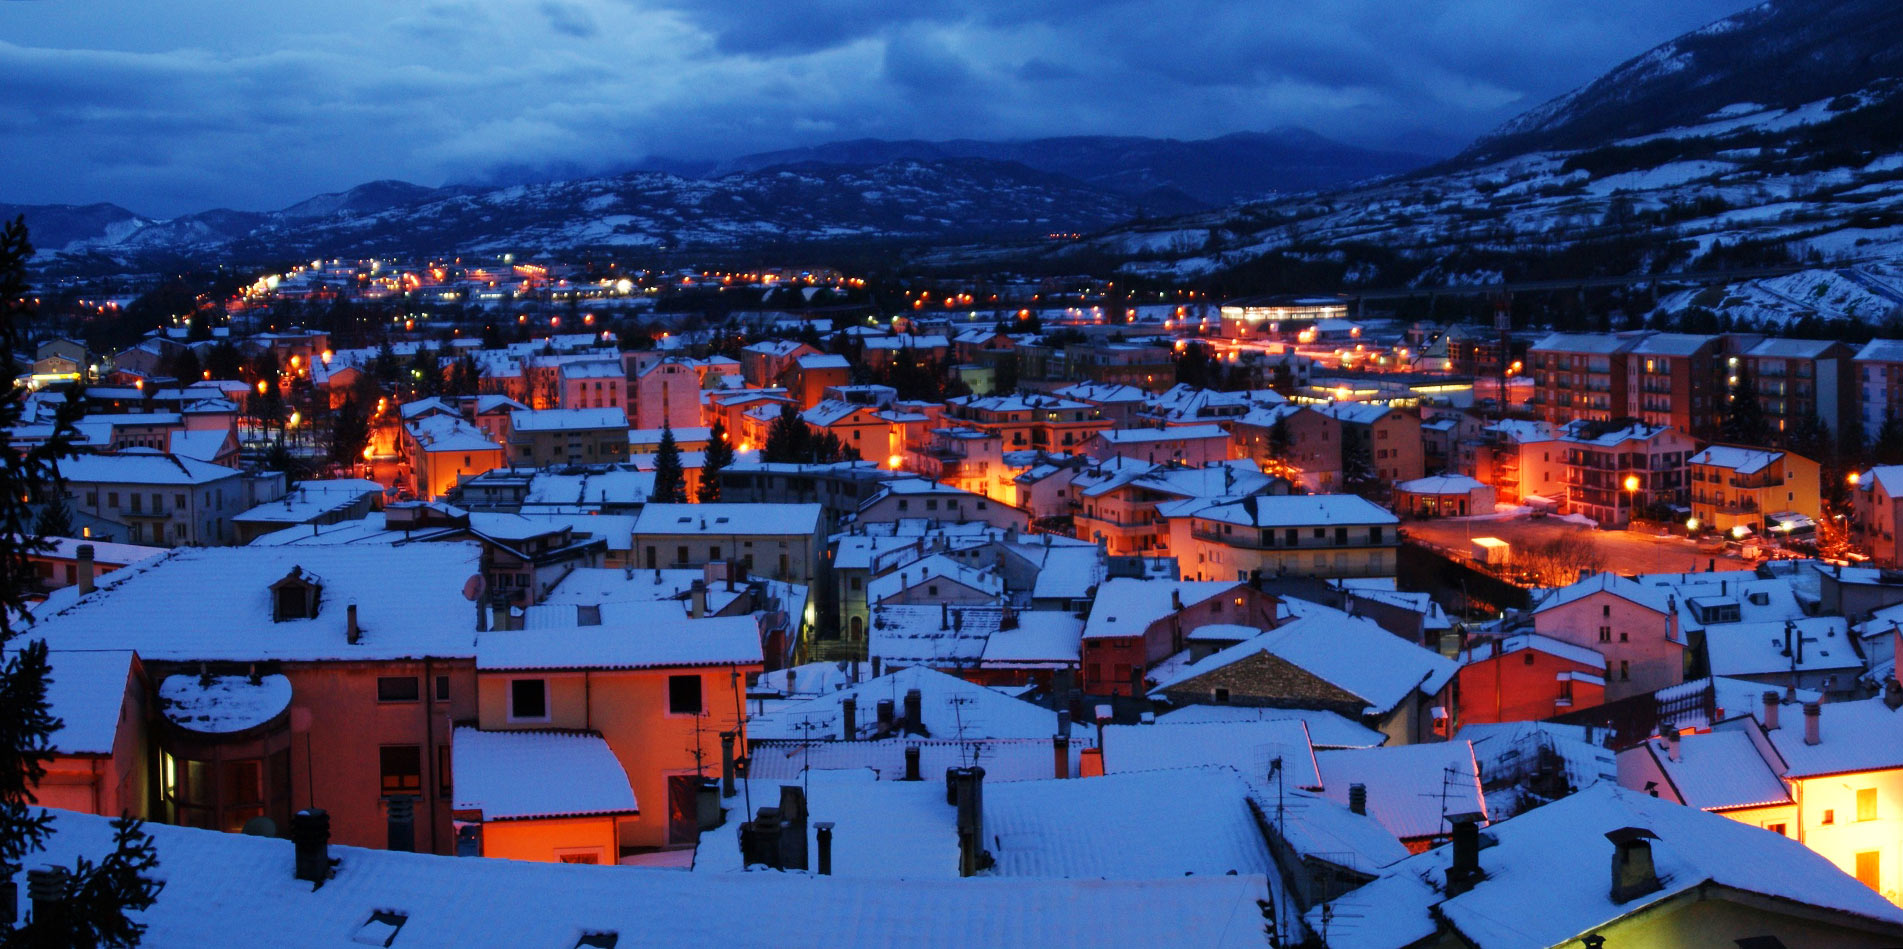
[(697, 599), (971, 822), (944, 616), (1633, 874), (310, 839), (1060, 756), (792, 680), (1358, 798), (501, 609), (726, 764), (46, 886), (876, 665), (1671, 742), (824, 836), (401, 810), (1892, 694), (792, 827), (1812, 713), (1063, 722), (1465, 870), (849, 718), (914, 710), (1771, 706), (885, 715), (1176, 600), (85, 568), (352, 632), (912, 772)]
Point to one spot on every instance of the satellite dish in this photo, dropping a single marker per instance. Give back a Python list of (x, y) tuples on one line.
[(475, 587)]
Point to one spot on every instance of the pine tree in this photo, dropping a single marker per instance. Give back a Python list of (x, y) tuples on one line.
[(98, 895), (55, 518), (718, 456), (789, 440), (349, 433), (186, 368), (224, 361), (1744, 422), (669, 483)]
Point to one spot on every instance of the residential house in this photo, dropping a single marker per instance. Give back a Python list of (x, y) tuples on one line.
[(1524, 676), (1195, 445), (1620, 470), (781, 541), (589, 436), (1635, 627), (1740, 491), (1135, 624), (443, 450), (1316, 535), (164, 500)]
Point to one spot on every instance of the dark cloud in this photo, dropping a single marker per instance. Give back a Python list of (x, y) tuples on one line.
[(168, 108)]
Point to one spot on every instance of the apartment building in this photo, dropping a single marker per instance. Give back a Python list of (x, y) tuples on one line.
[(1613, 471), (1754, 489)]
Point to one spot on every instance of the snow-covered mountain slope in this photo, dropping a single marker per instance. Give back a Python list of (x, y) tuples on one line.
[(1869, 293), (901, 201)]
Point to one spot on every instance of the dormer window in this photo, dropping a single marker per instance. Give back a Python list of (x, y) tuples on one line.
[(295, 596)]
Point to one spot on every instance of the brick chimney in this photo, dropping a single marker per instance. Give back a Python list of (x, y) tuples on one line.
[(824, 836), (1633, 873), (1812, 730), (85, 568), (352, 632), (310, 839), (912, 772), (972, 857), (885, 715), (1771, 707), (1671, 742), (1358, 798), (1060, 756), (697, 599), (726, 764), (849, 718)]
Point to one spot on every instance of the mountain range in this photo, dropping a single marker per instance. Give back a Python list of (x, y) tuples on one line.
[(862, 190)]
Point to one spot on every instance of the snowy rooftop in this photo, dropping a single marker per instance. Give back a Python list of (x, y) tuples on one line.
[(1650, 597), (1117, 437), (447, 433), (631, 636), (1349, 652), (1303, 510), (1126, 606), (1716, 770), (86, 691), (1004, 759), (1741, 460), (223, 704), (729, 519), (1325, 729), (562, 420), (141, 466), (1411, 788), (1249, 747), (446, 901), (1041, 828), (505, 774), (1547, 879), (1440, 484), (234, 621), (951, 708), (1747, 649), (928, 571), (1864, 735)]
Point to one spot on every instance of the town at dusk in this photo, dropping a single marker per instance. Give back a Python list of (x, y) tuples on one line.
[(615, 473)]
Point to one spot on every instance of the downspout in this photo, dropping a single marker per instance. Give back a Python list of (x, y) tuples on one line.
[(433, 789), (97, 803), (588, 699)]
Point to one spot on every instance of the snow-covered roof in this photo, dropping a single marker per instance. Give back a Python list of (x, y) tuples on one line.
[(951, 708), (1441, 484), (1597, 343), (563, 420), (931, 569), (1042, 639), (1039, 828), (1865, 735), (1323, 829), (1481, 651), (1741, 460), (1652, 598), (1126, 606), (141, 466), (221, 705), (217, 604), (1325, 729), (1546, 879), (1102, 393), (1747, 649), (1349, 652), (203, 445), (506, 774), (449, 433), (67, 548), (86, 691), (1117, 437), (449, 901), (1411, 788), (1672, 344), (1067, 572), (812, 361), (1300, 510), (723, 519), (631, 636), (1717, 770), (1250, 747), (1004, 759)]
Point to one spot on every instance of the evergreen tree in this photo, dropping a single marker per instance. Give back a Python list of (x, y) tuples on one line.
[(1744, 422), (387, 367), (1888, 449), (55, 518), (718, 456), (491, 337), (669, 482), (186, 368), (789, 440), (98, 895), (349, 433), (224, 361)]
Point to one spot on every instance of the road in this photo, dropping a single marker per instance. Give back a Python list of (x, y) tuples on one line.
[(1625, 552)]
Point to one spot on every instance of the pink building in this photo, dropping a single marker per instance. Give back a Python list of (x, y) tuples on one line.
[(1634, 626), (667, 393)]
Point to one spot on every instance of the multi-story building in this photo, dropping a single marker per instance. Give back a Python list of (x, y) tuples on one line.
[(592, 384), (1798, 378), (1875, 505), (667, 393), (1581, 376), (1879, 373), (568, 436), (1614, 471), (1522, 459), (1753, 489), (164, 500), (1312, 535), (1042, 422), (781, 541), (442, 450), (1676, 380), (1635, 627)]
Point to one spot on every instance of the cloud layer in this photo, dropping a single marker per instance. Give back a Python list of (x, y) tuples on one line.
[(181, 106)]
